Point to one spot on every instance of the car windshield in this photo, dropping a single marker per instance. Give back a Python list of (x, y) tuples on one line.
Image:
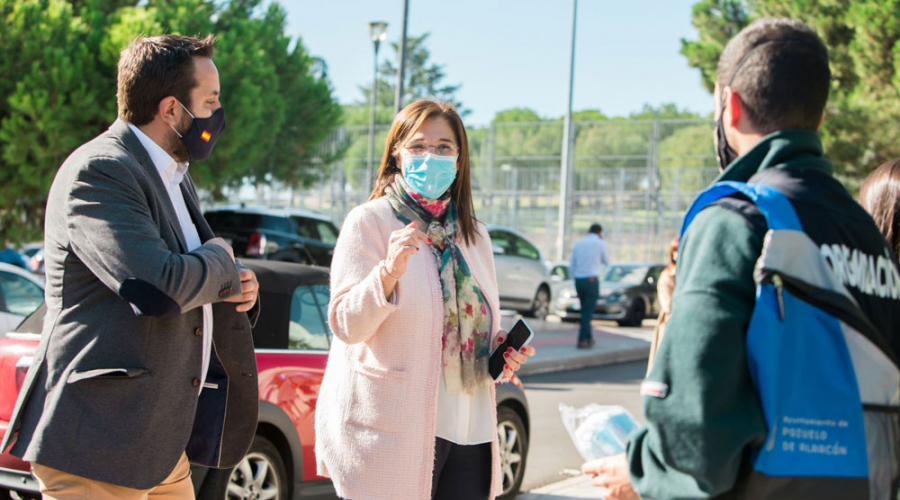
[(626, 275), (228, 220)]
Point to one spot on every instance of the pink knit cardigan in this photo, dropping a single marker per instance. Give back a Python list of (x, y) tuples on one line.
[(377, 408)]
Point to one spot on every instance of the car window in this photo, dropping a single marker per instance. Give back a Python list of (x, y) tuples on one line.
[(525, 249), (224, 220), (323, 296), (306, 330), (316, 230), (503, 241), (305, 228), (627, 275), (327, 232), (560, 271), (20, 295)]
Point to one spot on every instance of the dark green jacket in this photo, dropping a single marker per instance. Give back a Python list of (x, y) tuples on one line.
[(697, 437)]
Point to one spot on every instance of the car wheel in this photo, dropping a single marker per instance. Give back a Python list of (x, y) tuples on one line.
[(261, 475), (635, 315), (512, 439), (540, 308)]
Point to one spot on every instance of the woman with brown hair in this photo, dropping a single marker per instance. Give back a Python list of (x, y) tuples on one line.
[(665, 287), (880, 196), (407, 409)]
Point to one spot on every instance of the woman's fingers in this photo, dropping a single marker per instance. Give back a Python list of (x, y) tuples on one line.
[(413, 235), (404, 253), (409, 241), (528, 351), (516, 356), (511, 361)]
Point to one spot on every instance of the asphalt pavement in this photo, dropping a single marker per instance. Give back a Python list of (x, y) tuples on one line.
[(608, 374), (555, 342), (552, 456)]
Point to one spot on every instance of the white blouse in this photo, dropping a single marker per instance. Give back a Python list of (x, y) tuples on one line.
[(462, 418)]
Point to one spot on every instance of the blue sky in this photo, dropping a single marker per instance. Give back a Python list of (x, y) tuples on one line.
[(515, 53)]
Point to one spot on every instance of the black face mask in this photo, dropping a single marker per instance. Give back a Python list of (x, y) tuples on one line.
[(724, 154), (201, 137)]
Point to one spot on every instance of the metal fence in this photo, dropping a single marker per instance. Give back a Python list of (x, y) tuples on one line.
[(636, 178)]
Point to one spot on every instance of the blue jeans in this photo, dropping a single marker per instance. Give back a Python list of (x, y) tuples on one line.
[(588, 290)]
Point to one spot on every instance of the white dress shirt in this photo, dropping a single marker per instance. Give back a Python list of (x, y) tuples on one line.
[(462, 418), (590, 256), (172, 173)]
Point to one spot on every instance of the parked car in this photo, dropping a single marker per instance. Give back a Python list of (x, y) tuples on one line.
[(33, 253), (21, 293), (289, 235), (292, 339), (522, 276), (627, 294), (9, 255)]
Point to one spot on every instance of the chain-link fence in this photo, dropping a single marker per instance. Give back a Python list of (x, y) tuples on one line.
[(634, 177)]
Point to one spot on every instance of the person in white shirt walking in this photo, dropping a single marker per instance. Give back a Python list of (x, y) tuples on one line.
[(590, 256)]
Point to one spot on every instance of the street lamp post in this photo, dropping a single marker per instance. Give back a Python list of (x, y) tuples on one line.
[(401, 68), (377, 32), (565, 184)]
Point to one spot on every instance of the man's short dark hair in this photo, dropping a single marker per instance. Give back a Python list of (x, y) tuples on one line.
[(151, 69), (784, 82), (596, 228)]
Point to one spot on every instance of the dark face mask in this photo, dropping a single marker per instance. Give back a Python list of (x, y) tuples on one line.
[(724, 154), (201, 136)]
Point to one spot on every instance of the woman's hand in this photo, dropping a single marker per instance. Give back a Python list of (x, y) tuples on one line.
[(611, 473), (402, 244), (514, 359)]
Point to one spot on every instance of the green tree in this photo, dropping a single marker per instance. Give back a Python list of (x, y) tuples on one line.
[(59, 85), (863, 39), (523, 138), (51, 100), (423, 79), (516, 115)]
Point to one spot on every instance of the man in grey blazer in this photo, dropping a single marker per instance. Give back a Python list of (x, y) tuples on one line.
[(146, 359)]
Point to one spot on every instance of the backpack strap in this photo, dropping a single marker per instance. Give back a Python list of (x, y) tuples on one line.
[(774, 206)]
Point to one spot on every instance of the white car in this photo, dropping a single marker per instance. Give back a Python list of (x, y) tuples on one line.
[(21, 293), (522, 277)]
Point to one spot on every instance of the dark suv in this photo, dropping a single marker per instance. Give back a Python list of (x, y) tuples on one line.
[(288, 235)]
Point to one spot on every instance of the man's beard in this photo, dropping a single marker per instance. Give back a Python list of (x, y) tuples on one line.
[(176, 146)]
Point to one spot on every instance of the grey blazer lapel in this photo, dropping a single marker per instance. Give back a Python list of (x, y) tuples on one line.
[(121, 130)]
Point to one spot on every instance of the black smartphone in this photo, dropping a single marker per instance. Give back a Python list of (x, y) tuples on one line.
[(518, 337)]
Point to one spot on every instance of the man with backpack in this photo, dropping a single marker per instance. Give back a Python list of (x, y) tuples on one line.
[(786, 314)]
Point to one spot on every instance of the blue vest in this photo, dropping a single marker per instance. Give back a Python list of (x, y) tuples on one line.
[(812, 368)]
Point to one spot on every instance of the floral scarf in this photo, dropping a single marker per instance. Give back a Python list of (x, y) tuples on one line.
[(466, 335)]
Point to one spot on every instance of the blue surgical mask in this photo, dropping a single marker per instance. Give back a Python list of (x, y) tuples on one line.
[(429, 175)]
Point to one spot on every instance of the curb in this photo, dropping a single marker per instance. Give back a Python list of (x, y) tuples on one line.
[(572, 488), (601, 358)]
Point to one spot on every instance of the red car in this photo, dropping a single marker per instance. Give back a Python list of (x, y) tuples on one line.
[(292, 339)]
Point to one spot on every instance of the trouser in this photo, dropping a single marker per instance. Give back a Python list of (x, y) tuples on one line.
[(58, 485), (461, 471), (588, 290)]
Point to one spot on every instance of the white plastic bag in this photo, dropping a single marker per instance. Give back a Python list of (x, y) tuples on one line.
[(598, 431)]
